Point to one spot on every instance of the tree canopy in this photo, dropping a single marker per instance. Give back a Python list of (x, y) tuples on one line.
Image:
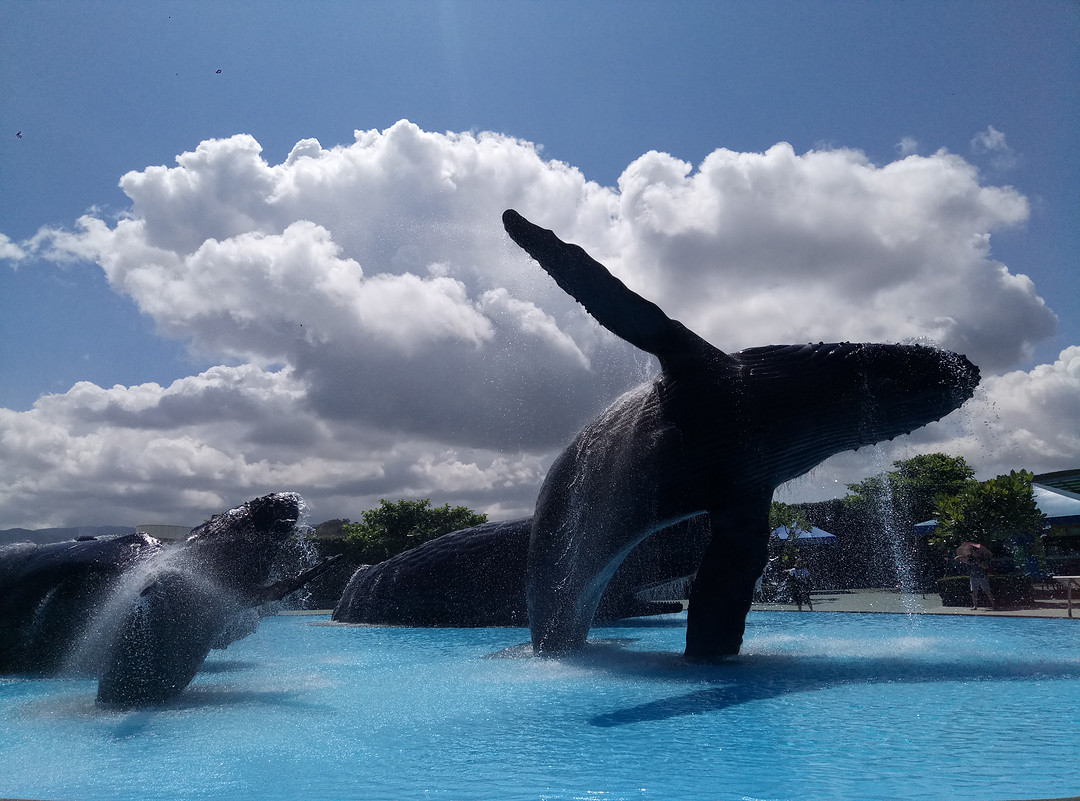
[(795, 520), (910, 492), (783, 514), (397, 526), (997, 510)]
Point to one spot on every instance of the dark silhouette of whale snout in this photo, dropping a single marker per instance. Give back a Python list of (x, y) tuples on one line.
[(714, 434)]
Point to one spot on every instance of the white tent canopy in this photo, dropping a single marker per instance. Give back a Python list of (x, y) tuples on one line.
[(815, 535)]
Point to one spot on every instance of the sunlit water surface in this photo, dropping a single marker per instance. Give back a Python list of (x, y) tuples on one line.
[(820, 706)]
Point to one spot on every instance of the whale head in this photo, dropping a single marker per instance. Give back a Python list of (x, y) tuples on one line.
[(813, 401), (239, 548)]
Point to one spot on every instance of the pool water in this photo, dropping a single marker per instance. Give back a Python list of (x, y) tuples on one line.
[(819, 706)]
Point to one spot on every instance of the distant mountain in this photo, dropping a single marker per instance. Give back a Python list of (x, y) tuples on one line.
[(46, 535)]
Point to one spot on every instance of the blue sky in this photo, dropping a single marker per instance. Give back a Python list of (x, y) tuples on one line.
[(97, 90)]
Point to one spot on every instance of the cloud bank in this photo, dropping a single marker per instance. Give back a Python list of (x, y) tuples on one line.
[(381, 336)]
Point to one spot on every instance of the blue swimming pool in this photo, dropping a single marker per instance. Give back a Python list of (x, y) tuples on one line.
[(820, 706)]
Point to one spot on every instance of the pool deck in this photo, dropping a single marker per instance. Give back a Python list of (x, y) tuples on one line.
[(884, 602), (893, 602)]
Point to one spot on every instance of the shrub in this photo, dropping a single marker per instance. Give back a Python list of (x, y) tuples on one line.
[(1009, 590)]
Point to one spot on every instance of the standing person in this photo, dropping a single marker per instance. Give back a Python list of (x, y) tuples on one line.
[(799, 584), (979, 578)]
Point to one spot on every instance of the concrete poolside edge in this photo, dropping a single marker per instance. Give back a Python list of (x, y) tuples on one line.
[(876, 601), (883, 601)]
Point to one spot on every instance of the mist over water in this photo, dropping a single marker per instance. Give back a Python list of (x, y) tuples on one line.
[(86, 655)]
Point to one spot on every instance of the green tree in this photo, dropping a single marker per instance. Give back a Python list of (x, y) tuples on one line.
[(882, 511), (1001, 510), (794, 519), (782, 514), (909, 494), (397, 526)]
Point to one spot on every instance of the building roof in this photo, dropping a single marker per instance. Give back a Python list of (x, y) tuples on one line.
[(1060, 506), (1068, 480)]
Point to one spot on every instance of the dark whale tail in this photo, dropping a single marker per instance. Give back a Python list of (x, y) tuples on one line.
[(614, 305)]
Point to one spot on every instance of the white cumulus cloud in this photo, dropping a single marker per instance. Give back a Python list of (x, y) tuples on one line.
[(382, 337), (9, 250), (774, 246)]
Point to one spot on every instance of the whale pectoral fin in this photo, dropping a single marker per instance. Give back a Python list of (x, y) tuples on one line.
[(616, 307), (279, 589), (724, 587)]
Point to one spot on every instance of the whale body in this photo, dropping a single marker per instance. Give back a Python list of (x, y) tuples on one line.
[(48, 594), (714, 434)]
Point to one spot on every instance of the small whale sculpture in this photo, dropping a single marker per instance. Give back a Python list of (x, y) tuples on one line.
[(715, 433), (141, 616)]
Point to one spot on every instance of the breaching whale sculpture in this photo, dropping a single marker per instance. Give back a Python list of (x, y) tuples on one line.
[(139, 615), (477, 577), (715, 433)]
